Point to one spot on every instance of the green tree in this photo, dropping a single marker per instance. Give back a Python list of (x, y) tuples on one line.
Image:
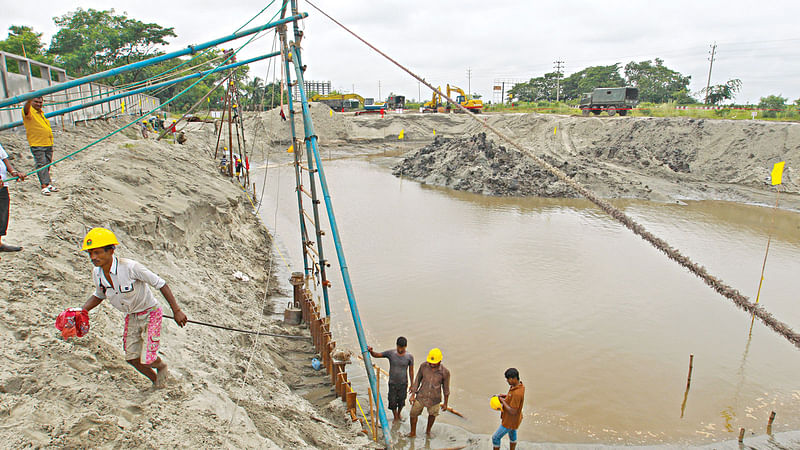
[(573, 86), (536, 89), (91, 41), (772, 105), (717, 93), (656, 82), (22, 40)]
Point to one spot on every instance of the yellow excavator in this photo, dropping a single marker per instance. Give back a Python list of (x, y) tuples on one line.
[(433, 104), (473, 104), (339, 101)]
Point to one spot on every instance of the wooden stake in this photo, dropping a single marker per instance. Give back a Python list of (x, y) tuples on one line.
[(741, 435), (769, 424), (688, 383)]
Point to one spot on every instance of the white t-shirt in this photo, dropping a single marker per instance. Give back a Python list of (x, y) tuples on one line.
[(130, 293), (3, 168)]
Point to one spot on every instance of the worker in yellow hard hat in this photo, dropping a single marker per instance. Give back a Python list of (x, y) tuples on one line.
[(432, 381), (511, 409), (124, 282)]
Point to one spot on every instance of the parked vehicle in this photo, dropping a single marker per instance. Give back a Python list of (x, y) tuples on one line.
[(611, 100)]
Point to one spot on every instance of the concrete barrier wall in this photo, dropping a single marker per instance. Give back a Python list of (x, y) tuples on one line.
[(12, 84)]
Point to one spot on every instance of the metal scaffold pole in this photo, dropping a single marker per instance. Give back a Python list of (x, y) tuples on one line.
[(311, 146), (293, 56), (297, 172)]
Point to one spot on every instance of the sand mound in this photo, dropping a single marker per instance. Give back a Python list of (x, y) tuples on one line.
[(174, 213), (659, 159)]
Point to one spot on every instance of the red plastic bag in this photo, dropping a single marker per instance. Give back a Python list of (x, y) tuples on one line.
[(74, 322)]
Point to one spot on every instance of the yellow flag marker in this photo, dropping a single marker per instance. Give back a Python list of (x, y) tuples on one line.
[(554, 130), (123, 106), (777, 172), (290, 149), (400, 136), (434, 131), (330, 113)]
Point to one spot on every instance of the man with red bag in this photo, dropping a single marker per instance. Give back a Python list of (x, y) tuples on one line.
[(124, 283)]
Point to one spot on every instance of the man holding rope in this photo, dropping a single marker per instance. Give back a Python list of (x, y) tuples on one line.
[(124, 283)]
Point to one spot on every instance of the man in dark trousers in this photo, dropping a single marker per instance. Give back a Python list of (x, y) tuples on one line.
[(433, 380), (511, 415), (401, 370), (6, 172)]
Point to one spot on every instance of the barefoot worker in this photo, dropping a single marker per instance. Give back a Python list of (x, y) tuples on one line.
[(433, 380), (511, 407), (124, 283), (401, 369)]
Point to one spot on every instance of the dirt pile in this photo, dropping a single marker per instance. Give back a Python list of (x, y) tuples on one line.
[(659, 159), (175, 214), (475, 164)]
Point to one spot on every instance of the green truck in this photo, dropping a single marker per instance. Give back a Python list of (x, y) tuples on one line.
[(611, 100)]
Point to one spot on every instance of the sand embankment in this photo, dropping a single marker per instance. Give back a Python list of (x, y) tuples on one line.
[(175, 214)]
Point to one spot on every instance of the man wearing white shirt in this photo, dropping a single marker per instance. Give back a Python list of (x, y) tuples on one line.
[(6, 171), (124, 283)]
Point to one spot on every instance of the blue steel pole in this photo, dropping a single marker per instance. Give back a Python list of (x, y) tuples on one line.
[(137, 65), (311, 140), (297, 174), (144, 89)]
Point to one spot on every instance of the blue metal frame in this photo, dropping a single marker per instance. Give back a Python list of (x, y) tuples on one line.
[(144, 89), (149, 62)]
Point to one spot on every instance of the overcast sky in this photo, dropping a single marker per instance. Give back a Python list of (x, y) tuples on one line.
[(758, 41)]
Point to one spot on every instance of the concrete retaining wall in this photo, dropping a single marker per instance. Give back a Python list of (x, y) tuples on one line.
[(34, 75)]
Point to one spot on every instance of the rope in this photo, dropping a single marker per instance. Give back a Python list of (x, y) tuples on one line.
[(672, 253), (259, 333)]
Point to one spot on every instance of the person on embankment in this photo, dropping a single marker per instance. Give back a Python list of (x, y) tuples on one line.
[(401, 370), (124, 283), (433, 380), (511, 412), (40, 139)]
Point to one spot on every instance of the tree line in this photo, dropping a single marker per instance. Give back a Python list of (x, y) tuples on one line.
[(90, 41), (656, 82)]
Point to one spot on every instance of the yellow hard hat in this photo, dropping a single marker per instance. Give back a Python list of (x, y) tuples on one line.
[(98, 237), (435, 356), (495, 403)]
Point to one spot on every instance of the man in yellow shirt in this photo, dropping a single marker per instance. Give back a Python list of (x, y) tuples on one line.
[(40, 139)]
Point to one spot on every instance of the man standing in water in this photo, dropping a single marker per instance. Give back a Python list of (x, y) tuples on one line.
[(124, 283), (433, 380), (511, 415), (400, 362)]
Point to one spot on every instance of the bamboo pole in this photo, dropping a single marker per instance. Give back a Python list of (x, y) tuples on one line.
[(372, 415)]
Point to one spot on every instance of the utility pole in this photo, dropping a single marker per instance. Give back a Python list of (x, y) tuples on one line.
[(708, 83), (469, 82), (419, 92), (558, 78), (379, 91)]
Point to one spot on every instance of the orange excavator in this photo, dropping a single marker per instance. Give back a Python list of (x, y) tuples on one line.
[(473, 104)]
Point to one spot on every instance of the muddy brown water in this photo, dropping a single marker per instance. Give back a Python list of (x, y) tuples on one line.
[(599, 324)]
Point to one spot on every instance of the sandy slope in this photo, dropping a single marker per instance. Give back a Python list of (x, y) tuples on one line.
[(172, 212)]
